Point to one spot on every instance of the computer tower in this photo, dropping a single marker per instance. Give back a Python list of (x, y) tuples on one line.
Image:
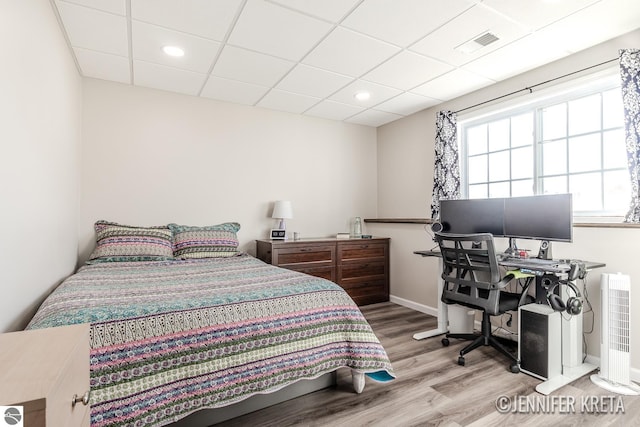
[(540, 341)]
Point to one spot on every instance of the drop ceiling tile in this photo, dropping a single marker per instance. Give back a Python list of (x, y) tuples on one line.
[(453, 84), (250, 67), (474, 22), (329, 10), (527, 53), (205, 18), (378, 94), (167, 78), (233, 91), (407, 70), (277, 31), (373, 118), (103, 65), (119, 7), (405, 22), (313, 81), (92, 29), (407, 103), (589, 24), (287, 101), (148, 41), (537, 13), (349, 53), (333, 110)]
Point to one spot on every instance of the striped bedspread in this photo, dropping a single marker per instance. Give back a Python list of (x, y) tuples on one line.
[(171, 337)]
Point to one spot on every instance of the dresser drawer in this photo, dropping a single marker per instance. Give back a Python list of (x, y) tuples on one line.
[(356, 270), (328, 272), (358, 251), (304, 255), (367, 291)]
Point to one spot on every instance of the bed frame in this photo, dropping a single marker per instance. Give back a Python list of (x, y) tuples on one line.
[(208, 417)]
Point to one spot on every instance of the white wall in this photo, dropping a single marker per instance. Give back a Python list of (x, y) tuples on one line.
[(405, 178), (40, 119), (153, 157)]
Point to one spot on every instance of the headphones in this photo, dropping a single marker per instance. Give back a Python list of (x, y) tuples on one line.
[(572, 306)]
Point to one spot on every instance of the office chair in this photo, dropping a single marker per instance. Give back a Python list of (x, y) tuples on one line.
[(472, 278)]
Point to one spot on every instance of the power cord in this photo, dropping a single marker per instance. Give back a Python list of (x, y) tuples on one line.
[(427, 230), (508, 323), (589, 309)]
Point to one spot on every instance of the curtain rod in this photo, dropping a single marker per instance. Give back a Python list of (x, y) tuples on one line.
[(530, 88)]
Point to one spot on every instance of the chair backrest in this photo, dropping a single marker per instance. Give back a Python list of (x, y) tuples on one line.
[(471, 273)]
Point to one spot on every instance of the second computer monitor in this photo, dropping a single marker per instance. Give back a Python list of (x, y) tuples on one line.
[(545, 217)]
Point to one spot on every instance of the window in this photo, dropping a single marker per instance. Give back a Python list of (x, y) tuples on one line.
[(570, 144)]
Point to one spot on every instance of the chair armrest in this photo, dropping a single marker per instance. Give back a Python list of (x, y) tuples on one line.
[(504, 282)]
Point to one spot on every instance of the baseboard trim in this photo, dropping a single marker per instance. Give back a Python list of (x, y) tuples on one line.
[(414, 305)]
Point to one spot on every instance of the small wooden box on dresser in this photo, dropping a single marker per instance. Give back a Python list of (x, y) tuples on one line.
[(360, 266), (46, 371)]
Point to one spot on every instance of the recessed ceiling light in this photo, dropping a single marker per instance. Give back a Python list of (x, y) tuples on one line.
[(362, 96), (173, 51)]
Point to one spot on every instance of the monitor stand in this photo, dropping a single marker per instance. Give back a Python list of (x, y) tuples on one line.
[(512, 250)]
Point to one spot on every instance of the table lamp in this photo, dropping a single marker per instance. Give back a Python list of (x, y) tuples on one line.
[(281, 210)]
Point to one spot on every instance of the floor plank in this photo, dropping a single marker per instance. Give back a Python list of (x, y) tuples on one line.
[(432, 390)]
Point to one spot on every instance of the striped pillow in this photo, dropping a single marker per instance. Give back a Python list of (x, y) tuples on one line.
[(117, 242), (212, 241)]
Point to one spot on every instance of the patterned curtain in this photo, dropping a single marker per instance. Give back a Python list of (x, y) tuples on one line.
[(630, 74), (446, 170)]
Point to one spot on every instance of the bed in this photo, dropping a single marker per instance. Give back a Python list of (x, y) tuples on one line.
[(170, 336)]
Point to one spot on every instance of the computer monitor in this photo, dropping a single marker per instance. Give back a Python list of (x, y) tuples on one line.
[(467, 216), (547, 217)]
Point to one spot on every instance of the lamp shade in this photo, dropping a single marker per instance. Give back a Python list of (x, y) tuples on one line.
[(282, 209)]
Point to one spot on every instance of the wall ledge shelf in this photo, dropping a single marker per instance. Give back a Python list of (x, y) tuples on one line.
[(399, 220), (430, 221)]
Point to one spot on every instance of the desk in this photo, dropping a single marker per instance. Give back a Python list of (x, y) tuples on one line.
[(572, 364)]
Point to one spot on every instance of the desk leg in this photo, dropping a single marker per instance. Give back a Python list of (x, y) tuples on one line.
[(443, 319)]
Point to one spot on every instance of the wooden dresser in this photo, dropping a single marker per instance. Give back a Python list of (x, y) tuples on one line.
[(43, 370), (360, 266)]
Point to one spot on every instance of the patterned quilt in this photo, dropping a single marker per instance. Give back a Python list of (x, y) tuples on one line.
[(171, 337)]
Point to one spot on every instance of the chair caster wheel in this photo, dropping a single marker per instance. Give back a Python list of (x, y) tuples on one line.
[(515, 369), (445, 342), (461, 361)]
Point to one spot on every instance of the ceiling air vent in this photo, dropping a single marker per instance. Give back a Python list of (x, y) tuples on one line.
[(479, 42), (486, 39)]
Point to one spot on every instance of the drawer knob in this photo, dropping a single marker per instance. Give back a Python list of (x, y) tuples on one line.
[(84, 398)]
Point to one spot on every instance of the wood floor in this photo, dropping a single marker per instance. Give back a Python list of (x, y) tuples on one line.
[(432, 390)]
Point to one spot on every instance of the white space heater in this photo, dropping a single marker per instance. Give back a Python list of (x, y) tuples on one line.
[(615, 294)]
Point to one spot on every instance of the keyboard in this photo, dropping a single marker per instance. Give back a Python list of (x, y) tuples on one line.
[(535, 261)]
